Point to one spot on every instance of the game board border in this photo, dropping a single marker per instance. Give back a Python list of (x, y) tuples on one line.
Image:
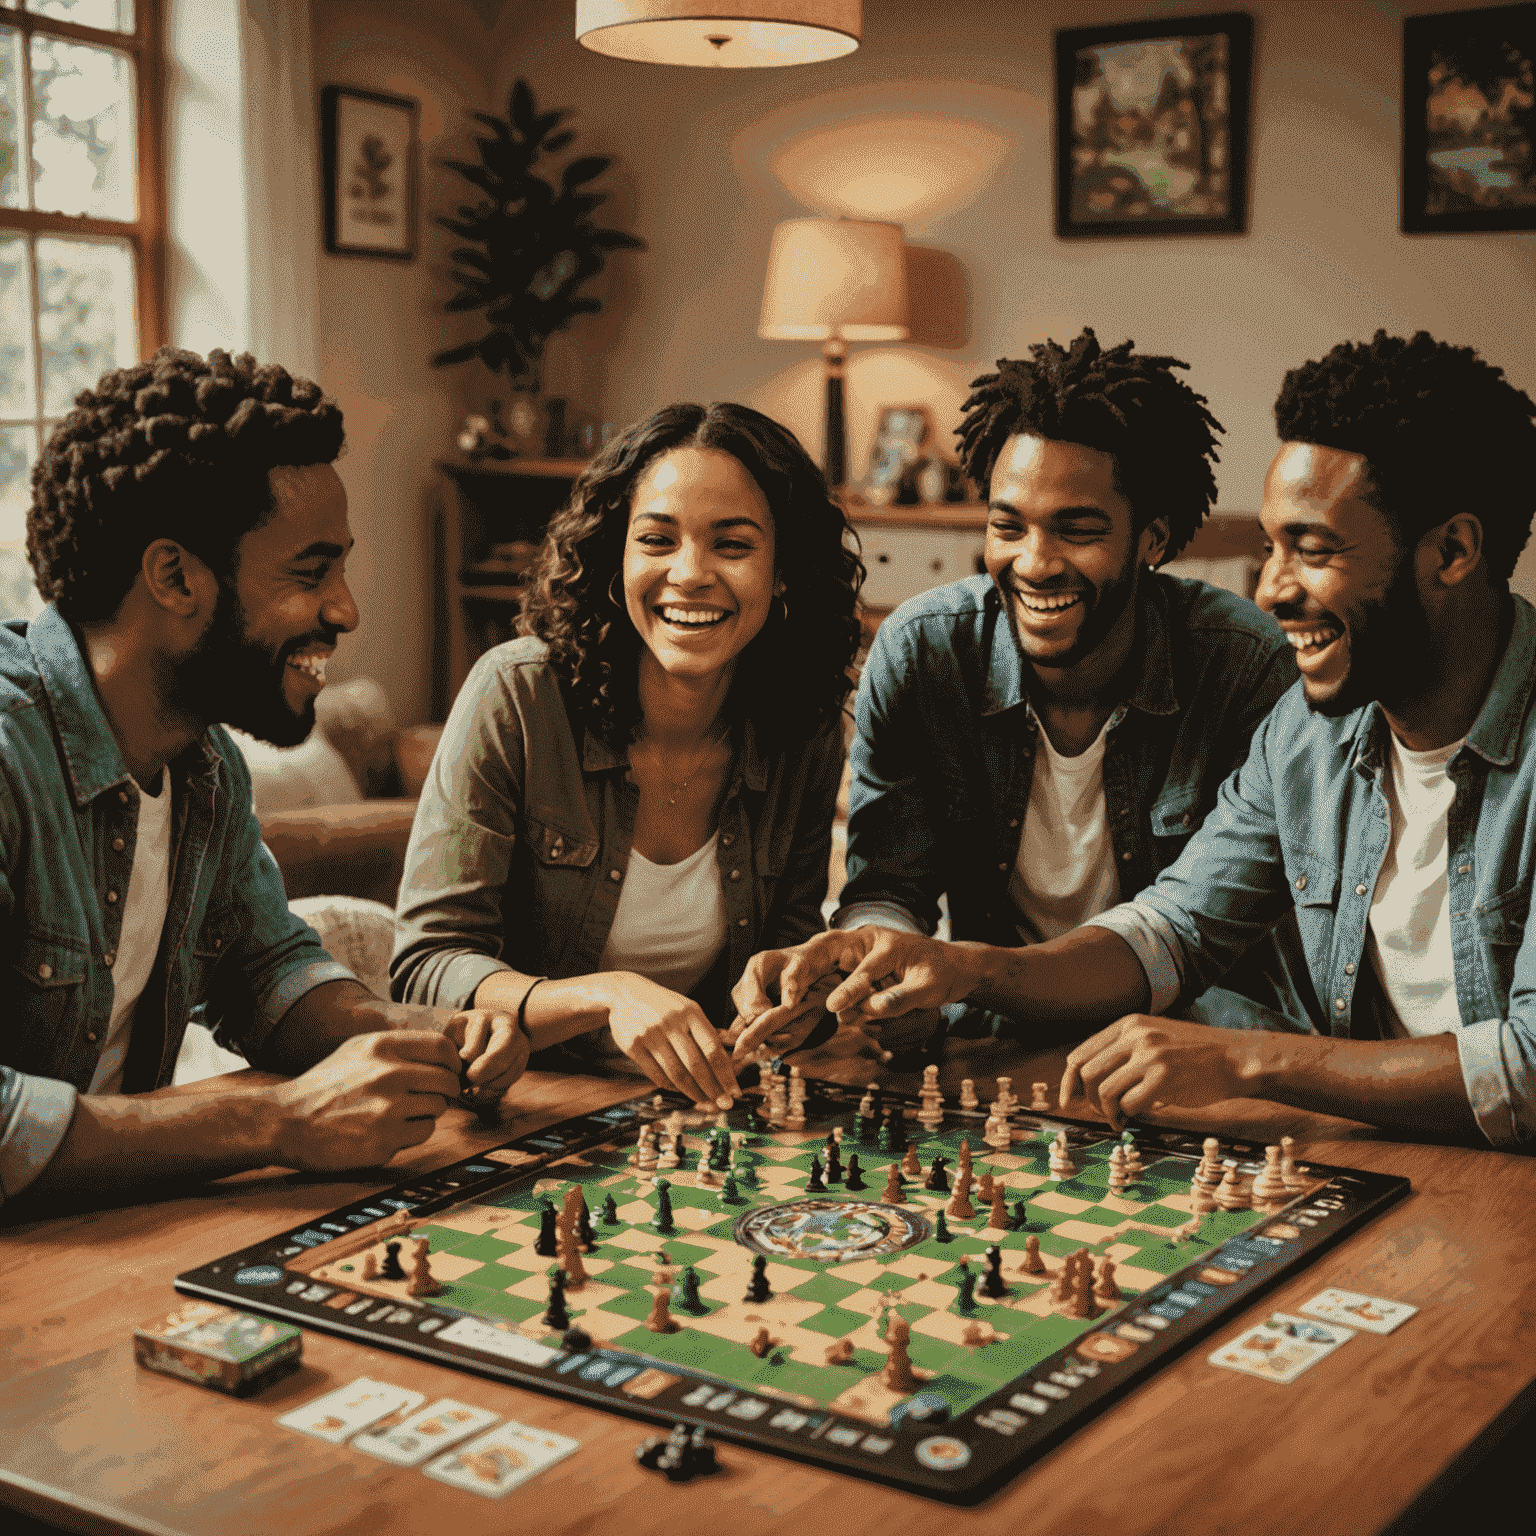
[(1003, 1441)]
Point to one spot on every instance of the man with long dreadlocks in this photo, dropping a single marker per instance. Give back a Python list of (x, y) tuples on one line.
[(1036, 744), (1387, 802)]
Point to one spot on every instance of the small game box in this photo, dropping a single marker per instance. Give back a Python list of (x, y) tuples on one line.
[(920, 1293), (218, 1347)]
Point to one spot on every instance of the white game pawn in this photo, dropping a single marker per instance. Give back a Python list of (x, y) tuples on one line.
[(1231, 1195), (1208, 1174), (1201, 1199), (968, 1099), (1039, 1104), (1269, 1186), (707, 1176), (1133, 1163), (995, 1132), (837, 1134), (1117, 1174), (1293, 1180), (1062, 1166), (647, 1150), (866, 1109), (669, 1158), (1005, 1095)]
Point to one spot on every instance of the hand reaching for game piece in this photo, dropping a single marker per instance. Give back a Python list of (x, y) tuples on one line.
[(493, 1051), (668, 1037)]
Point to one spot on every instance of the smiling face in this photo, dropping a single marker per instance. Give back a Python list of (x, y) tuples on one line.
[(1343, 590), (698, 561), (260, 663), (1061, 548)]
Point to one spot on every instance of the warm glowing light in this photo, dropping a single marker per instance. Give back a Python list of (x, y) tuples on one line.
[(835, 278), (708, 34)]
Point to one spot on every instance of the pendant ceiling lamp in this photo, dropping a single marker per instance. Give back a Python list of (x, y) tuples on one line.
[(749, 34)]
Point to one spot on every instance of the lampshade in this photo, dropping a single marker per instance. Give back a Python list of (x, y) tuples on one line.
[(835, 279), (750, 34)]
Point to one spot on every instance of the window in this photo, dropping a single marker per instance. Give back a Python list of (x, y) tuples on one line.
[(81, 226)]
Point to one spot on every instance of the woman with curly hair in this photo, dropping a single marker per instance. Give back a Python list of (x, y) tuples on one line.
[(637, 794)]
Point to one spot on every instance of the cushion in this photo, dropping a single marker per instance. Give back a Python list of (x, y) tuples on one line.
[(296, 778), (356, 719)]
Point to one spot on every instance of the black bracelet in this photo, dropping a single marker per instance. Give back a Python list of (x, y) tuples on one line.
[(522, 1007)]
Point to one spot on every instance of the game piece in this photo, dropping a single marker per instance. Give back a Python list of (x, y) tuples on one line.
[(662, 1220), (1066, 1278), (1020, 1215), (1208, 1174), (999, 1220), (568, 1256), (218, 1347), (689, 1301), (757, 1290), (834, 1161), (860, 1129), (941, 1232), (370, 1265), (911, 1167), (938, 1178), (984, 1186), (609, 1214), (705, 1173), (393, 1269), (968, 1099), (992, 1283), (729, 1194), (931, 1115), (575, 1341), (960, 1206), (839, 1353), (584, 1233), (1293, 1180), (1231, 1195), (1269, 1186), (1118, 1178), (701, 1453), (1039, 1104), (421, 1282), (557, 1317), (1061, 1164), (883, 1138), (1133, 1164), (815, 1185), (995, 1132), (1032, 1263), (661, 1319), (895, 1128), (893, 1189), (671, 1155), (1082, 1304), (977, 1335), (1201, 1199), (544, 1246), (795, 1119), (760, 1343), (1006, 1097), (1104, 1286), (965, 1302), (745, 1169), (898, 1374), (855, 1176), (964, 1157)]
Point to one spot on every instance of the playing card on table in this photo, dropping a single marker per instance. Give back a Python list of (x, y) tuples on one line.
[(341, 1413), (500, 1460), (1373, 1313), (1280, 1348), (406, 1438)]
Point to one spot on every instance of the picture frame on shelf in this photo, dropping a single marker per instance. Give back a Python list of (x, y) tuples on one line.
[(1152, 127), (902, 433), (368, 153), (1469, 121)]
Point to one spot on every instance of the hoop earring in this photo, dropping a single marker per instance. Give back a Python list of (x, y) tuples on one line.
[(611, 598), (784, 604)]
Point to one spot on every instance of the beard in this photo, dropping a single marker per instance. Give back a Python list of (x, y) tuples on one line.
[(1103, 607), (228, 677), (1391, 655)]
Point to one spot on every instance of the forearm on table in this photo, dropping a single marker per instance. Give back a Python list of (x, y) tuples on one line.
[(326, 1016), (557, 1009), (1088, 976), (1416, 1083)]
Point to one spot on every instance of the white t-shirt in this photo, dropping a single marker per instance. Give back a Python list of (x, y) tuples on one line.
[(670, 924), (1065, 871), (144, 908), (1409, 940)]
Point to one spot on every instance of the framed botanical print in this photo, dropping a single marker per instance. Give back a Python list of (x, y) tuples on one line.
[(368, 145)]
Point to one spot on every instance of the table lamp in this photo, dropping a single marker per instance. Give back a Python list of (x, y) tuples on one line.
[(835, 281)]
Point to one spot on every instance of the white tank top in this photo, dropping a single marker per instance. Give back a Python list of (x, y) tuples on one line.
[(670, 925)]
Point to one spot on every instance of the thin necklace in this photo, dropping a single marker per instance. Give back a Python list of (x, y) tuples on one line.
[(678, 788)]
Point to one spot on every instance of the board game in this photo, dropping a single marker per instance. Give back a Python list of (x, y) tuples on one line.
[(922, 1293)]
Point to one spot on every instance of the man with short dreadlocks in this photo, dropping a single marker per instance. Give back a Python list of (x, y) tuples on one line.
[(1037, 743), (1387, 802)]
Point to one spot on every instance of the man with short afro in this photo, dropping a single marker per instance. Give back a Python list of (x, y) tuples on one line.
[(190, 535), (1036, 743)]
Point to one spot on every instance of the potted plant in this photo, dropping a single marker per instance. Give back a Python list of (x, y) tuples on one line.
[(531, 245)]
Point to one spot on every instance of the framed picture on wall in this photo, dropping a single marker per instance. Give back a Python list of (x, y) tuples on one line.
[(1152, 127), (368, 143), (1469, 120)]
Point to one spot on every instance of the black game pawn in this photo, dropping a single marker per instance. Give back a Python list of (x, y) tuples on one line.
[(687, 1296), (834, 1161), (758, 1290), (675, 1463), (1020, 1216), (393, 1269), (557, 1319), (965, 1302), (855, 1176), (545, 1246), (896, 1124), (814, 1185), (992, 1283), (941, 1232), (584, 1233), (701, 1453), (662, 1221), (937, 1178), (610, 1212), (576, 1341)]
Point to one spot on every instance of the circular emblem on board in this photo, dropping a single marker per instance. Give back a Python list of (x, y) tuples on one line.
[(830, 1230), (258, 1274), (942, 1453)]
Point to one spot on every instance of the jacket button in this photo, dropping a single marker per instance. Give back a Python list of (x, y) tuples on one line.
[(1463, 869), (1338, 1005), (122, 795), (118, 845), (727, 838), (556, 848), (91, 1037), (1301, 882), (735, 874), (1349, 967), (1125, 857), (1185, 820), (1359, 890), (45, 970), (615, 875), (111, 898), (1014, 822), (1002, 866), (218, 943), (741, 922), (110, 958)]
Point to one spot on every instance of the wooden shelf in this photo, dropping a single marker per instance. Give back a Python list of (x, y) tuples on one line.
[(515, 469), (947, 516)]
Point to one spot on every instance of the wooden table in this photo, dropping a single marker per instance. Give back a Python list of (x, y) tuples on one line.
[(91, 1442)]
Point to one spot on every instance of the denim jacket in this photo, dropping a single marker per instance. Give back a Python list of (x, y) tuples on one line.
[(230, 951), (522, 837), (944, 756), (1305, 824)]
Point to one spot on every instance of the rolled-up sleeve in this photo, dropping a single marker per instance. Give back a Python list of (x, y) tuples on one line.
[(35, 1114), (1498, 1059), (1155, 944)]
